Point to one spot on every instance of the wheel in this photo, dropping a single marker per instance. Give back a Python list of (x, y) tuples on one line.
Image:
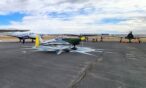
[(67, 50)]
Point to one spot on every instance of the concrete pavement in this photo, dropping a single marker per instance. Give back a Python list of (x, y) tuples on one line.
[(118, 66)]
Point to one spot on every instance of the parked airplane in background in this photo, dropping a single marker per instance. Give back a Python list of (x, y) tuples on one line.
[(131, 37), (22, 36), (60, 45)]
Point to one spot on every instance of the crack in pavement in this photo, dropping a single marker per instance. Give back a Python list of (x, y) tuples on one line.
[(84, 72)]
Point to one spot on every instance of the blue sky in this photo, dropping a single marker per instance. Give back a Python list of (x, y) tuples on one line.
[(111, 20), (78, 16), (6, 19)]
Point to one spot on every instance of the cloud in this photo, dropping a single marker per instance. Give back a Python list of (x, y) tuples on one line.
[(77, 16)]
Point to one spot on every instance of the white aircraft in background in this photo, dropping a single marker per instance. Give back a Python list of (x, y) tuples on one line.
[(22, 36), (60, 45)]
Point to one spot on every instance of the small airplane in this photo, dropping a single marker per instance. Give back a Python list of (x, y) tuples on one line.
[(60, 45), (22, 36), (130, 37)]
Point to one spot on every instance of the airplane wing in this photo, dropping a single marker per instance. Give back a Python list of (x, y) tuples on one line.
[(45, 49), (13, 30), (85, 50), (82, 52)]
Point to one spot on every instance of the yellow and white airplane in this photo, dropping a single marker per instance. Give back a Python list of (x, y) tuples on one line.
[(60, 45), (56, 45)]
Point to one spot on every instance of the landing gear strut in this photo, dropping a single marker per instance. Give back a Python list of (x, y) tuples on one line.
[(23, 41)]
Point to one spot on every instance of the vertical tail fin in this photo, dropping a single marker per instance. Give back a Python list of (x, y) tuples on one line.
[(37, 42)]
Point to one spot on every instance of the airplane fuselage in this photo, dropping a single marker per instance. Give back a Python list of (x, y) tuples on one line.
[(22, 36)]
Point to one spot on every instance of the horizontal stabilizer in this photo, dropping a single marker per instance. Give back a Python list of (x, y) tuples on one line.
[(84, 53)]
